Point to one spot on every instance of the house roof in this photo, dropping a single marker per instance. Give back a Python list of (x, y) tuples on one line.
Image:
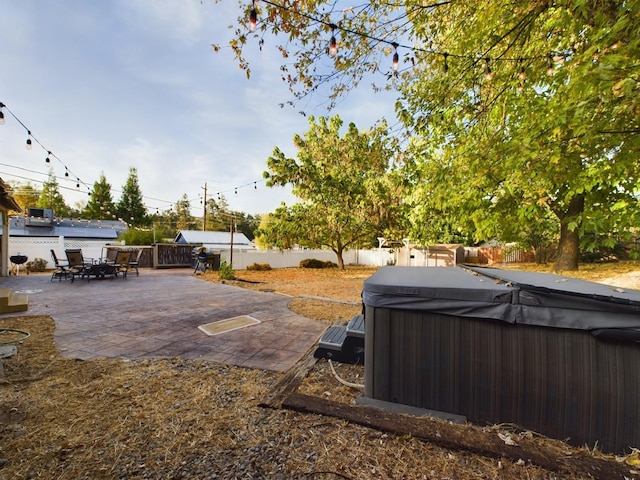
[(214, 239), (7, 202), (21, 226)]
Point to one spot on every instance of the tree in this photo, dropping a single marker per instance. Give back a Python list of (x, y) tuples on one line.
[(130, 207), (184, 219), (25, 195), (50, 197), (341, 182), (547, 124), (515, 109), (100, 205)]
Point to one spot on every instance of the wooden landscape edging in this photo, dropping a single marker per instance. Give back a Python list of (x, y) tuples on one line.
[(457, 437), (461, 437)]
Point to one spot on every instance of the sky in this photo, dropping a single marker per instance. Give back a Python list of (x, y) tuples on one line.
[(113, 84)]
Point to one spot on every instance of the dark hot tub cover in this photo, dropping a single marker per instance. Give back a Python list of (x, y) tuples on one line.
[(511, 296)]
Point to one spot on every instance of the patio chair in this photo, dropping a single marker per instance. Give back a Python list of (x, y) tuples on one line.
[(135, 261), (78, 265), (121, 262), (61, 267)]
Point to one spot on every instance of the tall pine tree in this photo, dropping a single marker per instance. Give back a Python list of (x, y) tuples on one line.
[(50, 197), (101, 205), (131, 208)]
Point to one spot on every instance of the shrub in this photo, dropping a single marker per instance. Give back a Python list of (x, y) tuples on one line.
[(226, 271), (315, 263), (37, 265), (136, 236), (259, 266)]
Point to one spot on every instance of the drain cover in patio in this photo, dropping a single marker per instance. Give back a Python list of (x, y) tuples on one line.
[(224, 326)]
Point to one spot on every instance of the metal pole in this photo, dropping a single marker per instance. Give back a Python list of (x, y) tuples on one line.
[(231, 243), (204, 213)]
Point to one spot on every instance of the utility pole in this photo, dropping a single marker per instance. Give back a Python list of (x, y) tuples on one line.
[(232, 221), (204, 213)]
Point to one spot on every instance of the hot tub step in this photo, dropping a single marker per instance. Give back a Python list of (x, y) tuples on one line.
[(355, 327), (333, 338)]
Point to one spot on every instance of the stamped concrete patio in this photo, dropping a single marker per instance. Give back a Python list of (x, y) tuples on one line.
[(157, 315)]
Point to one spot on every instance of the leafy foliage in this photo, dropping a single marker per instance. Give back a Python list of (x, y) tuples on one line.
[(315, 263), (259, 267), (515, 111), (342, 181), (226, 271), (137, 236), (25, 195)]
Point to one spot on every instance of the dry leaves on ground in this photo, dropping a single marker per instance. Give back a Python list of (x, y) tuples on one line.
[(172, 418)]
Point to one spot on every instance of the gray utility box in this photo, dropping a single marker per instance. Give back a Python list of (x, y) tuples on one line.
[(551, 354)]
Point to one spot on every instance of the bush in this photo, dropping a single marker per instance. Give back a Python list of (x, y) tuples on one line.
[(37, 265), (136, 236), (259, 267), (226, 271), (315, 263)]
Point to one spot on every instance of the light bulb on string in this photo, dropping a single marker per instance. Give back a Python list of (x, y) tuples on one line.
[(47, 160), (445, 67), (522, 75), (66, 172), (255, 185), (1, 114), (29, 145), (235, 191), (333, 44), (396, 58), (488, 74), (253, 18)]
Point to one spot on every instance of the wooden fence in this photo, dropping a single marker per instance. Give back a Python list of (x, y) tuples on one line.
[(493, 255)]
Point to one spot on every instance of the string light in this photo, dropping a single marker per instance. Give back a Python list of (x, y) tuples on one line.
[(488, 74), (396, 58), (1, 114), (253, 18), (29, 144), (333, 44)]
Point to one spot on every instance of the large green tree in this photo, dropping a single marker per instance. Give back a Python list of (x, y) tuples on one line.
[(100, 205), (341, 181), (516, 110), (131, 207), (50, 197)]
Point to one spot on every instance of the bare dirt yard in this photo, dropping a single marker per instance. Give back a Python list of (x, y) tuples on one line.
[(177, 419)]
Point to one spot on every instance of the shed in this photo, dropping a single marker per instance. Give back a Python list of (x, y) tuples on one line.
[(552, 354), (215, 240)]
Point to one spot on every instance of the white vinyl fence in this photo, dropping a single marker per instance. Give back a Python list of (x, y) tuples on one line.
[(292, 258), (40, 247)]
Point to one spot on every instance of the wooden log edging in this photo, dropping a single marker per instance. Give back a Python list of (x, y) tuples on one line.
[(461, 437)]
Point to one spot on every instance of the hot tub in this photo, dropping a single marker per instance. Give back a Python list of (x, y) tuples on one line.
[(551, 354)]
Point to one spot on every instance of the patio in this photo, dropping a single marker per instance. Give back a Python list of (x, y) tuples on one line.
[(157, 315)]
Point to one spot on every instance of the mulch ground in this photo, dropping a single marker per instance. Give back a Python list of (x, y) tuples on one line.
[(177, 419)]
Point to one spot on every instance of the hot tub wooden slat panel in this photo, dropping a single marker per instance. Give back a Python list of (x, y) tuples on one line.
[(559, 382)]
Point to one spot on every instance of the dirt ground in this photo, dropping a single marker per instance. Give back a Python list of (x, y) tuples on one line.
[(177, 419)]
